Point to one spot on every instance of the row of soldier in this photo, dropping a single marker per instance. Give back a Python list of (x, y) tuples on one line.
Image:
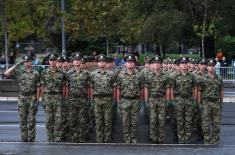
[(181, 91)]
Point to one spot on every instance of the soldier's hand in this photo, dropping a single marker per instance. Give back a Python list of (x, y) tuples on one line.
[(17, 64), (194, 104)]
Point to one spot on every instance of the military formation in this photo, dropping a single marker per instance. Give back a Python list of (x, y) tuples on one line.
[(82, 92)]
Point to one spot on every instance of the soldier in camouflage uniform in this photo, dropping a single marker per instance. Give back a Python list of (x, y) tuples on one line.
[(212, 100), (115, 72), (197, 111), (78, 91), (28, 82), (156, 87), (128, 94), (53, 86), (184, 85), (102, 83), (143, 73)]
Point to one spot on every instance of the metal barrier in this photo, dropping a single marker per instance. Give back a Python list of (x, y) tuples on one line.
[(227, 73)]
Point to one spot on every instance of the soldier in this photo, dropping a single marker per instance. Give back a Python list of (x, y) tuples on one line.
[(65, 114), (128, 94), (78, 92), (143, 73), (156, 87), (184, 85), (28, 82), (53, 87), (102, 84), (197, 111), (212, 102), (60, 61)]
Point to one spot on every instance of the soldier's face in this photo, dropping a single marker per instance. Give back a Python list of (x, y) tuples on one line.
[(65, 64), (130, 64), (157, 66), (202, 67), (77, 62), (53, 63), (59, 64), (211, 68), (28, 64), (102, 64), (183, 66)]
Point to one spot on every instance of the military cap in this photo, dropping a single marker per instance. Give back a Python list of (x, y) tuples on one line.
[(27, 58), (211, 61), (202, 61), (101, 57), (110, 59), (53, 57), (77, 56), (60, 59), (66, 59), (156, 59), (129, 57), (184, 60), (177, 61), (192, 61), (84, 59)]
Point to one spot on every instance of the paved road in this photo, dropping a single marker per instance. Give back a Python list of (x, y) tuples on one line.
[(9, 132)]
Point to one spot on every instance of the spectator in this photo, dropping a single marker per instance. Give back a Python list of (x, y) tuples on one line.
[(12, 58), (217, 66), (116, 60), (224, 65)]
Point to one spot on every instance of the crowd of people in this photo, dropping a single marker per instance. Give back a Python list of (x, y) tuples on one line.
[(84, 91)]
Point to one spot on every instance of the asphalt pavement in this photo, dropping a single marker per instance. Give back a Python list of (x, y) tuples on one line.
[(10, 137)]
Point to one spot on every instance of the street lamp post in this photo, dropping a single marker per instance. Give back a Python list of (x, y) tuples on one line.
[(62, 28)]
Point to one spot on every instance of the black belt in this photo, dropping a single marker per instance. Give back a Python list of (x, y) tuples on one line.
[(78, 96), (102, 95), (52, 93), (129, 98), (27, 93), (157, 95), (212, 99)]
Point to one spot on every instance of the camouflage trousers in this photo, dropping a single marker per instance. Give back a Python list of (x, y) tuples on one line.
[(54, 120), (197, 119), (130, 113), (27, 108), (184, 119), (65, 118), (103, 118), (157, 119), (211, 119), (77, 119)]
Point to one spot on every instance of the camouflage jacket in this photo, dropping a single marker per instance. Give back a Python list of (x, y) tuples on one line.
[(52, 81), (27, 81), (156, 84), (184, 84), (102, 83), (211, 87), (78, 83), (129, 84)]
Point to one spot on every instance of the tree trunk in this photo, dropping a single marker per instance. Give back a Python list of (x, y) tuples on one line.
[(209, 47), (5, 33)]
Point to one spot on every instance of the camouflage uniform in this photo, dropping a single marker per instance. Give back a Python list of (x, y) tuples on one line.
[(197, 111), (157, 85), (78, 85), (184, 85), (143, 74), (102, 84), (52, 83), (27, 105), (129, 86), (212, 108)]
